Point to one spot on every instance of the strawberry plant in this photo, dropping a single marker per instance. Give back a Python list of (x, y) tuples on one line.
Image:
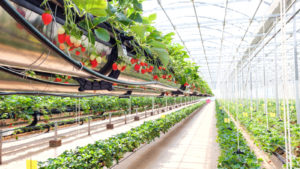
[(103, 153)]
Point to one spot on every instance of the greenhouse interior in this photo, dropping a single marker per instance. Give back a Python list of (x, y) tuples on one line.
[(149, 84)]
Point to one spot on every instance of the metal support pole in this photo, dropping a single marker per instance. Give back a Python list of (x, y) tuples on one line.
[(166, 104), (109, 117), (89, 125), (251, 94), (55, 131), (1, 146), (296, 67), (265, 90), (276, 78), (153, 105)]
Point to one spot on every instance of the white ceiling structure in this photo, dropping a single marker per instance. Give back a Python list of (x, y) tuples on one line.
[(217, 34)]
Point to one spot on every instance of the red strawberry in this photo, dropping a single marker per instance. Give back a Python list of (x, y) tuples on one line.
[(47, 18), (132, 60), (82, 49), (142, 64), (164, 68), (77, 53), (147, 69), (159, 68), (68, 77), (143, 71), (69, 41), (146, 64), (137, 67), (115, 66), (71, 49), (66, 82), (61, 38), (164, 76), (57, 79), (170, 76), (175, 81), (150, 67), (155, 77), (114, 84), (186, 84), (123, 68), (94, 63)]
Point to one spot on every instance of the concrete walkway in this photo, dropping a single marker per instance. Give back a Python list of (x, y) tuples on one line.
[(191, 145)]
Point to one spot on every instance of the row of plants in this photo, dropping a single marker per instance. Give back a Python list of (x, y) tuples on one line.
[(231, 156), (24, 107), (50, 125), (104, 153), (269, 139), (168, 61)]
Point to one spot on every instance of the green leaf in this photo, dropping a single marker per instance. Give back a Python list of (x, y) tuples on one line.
[(157, 44), (137, 6), (152, 17), (102, 34), (99, 20), (95, 7), (136, 17), (91, 37), (123, 19), (162, 54), (139, 30)]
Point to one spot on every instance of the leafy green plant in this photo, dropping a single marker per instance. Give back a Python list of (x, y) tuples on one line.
[(227, 139), (103, 153)]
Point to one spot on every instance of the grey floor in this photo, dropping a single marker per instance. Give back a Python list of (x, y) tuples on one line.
[(192, 145)]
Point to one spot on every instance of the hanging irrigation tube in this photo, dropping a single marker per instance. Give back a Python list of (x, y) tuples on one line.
[(76, 63)]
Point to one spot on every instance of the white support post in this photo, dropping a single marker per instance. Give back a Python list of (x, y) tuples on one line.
[(89, 125), (276, 77), (153, 105), (1, 146), (296, 67), (55, 131)]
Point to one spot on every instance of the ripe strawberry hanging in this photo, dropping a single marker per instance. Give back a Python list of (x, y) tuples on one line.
[(115, 66), (164, 68), (142, 64), (77, 53), (57, 79), (68, 40), (170, 76), (150, 67), (123, 68), (143, 71), (132, 60), (61, 38), (82, 49), (137, 67), (186, 84), (155, 77), (146, 64), (94, 63), (164, 76), (47, 18), (159, 68)]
